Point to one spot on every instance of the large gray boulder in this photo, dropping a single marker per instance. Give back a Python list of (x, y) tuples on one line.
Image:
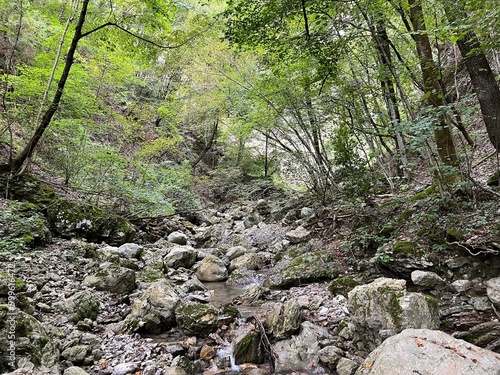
[(493, 291), (301, 352), (112, 278), (212, 268), (423, 351), (154, 310), (383, 308), (307, 267), (180, 256)]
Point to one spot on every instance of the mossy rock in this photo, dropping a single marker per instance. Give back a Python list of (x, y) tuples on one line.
[(430, 191), (342, 285), (199, 319), (494, 179), (70, 219), (403, 247), (28, 188)]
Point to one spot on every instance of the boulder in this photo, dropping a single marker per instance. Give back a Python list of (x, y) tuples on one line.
[(112, 278), (427, 280), (330, 356), (383, 308), (76, 354), (246, 261), (127, 250), (493, 291), (235, 252), (82, 305), (178, 238), (211, 268), (154, 310), (248, 348), (423, 351), (306, 267), (180, 256), (346, 366), (201, 319), (301, 352), (32, 347), (283, 320), (298, 235)]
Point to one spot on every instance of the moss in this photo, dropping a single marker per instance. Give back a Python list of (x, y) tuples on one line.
[(390, 298), (403, 247), (494, 179), (342, 285), (431, 190), (454, 235), (406, 215), (432, 303), (343, 324)]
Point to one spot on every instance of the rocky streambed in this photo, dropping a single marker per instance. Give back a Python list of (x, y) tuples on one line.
[(237, 293)]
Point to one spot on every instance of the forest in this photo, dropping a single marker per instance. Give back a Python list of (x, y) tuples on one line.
[(358, 136)]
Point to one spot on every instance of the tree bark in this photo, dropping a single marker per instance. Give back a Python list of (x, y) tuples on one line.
[(18, 164), (482, 78), (435, 97)]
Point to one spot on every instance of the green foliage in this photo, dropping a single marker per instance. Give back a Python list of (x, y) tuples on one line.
[(21, 227)]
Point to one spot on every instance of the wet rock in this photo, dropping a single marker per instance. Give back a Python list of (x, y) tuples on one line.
[(427, 280), (82, 305), (212, 268), (112, 278), (493, 291), (301, 352), (298, 235), (248, 348), (384, 308), (283, 320), (429, 352), (202, 319), (178, 238), (307, 267), (180, 256)]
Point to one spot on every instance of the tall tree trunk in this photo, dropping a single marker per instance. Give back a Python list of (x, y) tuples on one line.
[(482, 78), (435, 98), (17, 165)]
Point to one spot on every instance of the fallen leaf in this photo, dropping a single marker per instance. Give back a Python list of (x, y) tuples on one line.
[(368, 364)]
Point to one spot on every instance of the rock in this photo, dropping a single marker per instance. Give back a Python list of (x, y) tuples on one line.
[(298, 235), (112, 278), (82, 305), (70, 219), (235, 252), (304, 268), (283, 320), (300, 353), (330, 355), (125, 368), (212, 268), (246, 261), (10, 283), (493, 291), (76, 354), (154, 310), (426, 279), (346, 366), (251, 295), (486, 335), (460, 286), (202, 319), (180, 256), (178, 238), (33, 347), (423, 351), (248, 348), (73, 370), (127, 250), (207, 352), (306, 212), (342, 286), (384, 308)]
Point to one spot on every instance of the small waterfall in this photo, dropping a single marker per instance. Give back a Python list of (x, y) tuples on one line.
[(226, 352)]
